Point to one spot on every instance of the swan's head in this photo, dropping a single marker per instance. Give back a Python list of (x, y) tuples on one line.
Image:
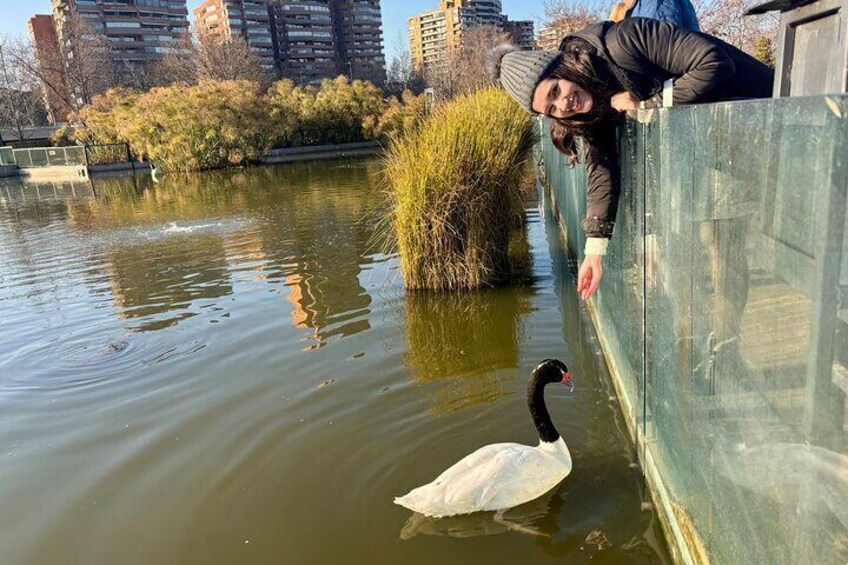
[(553, 371)]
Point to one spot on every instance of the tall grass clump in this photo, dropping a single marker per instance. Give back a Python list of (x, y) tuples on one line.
[(455, 191)]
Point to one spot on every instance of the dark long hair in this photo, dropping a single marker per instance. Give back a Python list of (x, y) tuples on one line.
[(580, 65)]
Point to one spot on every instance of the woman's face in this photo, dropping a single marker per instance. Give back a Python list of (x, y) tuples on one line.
[(560, 98)]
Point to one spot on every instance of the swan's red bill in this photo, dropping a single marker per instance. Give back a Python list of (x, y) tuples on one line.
[(566, 380)]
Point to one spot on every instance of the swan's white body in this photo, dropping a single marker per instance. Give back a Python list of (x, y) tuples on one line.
[(495, 477)]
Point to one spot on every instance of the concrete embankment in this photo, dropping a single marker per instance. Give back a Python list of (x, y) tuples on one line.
[(271, 157), (294, 154)]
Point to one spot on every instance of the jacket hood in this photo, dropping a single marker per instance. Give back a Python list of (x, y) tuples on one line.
[(592, 34)]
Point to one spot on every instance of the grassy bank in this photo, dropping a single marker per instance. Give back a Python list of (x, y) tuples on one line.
[(456, 192)]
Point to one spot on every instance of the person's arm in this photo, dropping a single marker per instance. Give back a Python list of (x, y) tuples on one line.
[(702, 67), (602, 193)]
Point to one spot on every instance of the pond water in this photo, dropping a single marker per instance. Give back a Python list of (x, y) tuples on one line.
[(224, 368)]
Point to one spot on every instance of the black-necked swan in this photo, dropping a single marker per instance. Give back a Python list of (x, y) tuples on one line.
[(502, 475)]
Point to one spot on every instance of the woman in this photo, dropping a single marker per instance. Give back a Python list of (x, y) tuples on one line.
[(610, 68)]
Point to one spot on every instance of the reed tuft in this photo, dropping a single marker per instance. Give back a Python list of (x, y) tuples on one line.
[(455, 192)]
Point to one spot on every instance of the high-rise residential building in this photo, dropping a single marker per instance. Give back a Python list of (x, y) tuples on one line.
[(304, 39), (552, 33), (138, 32), (521, 32), (54, 87), (433, 33), (359, 39), (315, 39), (548, 38), (248, 20)]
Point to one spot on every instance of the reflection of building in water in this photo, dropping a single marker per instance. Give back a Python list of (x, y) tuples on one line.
[(317, 240), (301, 299), (157, 283), (467, 342), (306, 226), (245, 252)]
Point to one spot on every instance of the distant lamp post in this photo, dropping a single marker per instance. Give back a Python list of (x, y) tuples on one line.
[(6, 78), (429, 98), (350, 70)]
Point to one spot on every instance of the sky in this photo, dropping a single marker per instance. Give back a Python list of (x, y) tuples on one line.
[(15, 13)]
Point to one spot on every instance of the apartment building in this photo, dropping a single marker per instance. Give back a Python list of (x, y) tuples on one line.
[(54, 87), (548, 38), (138, 32), (521, 32), (315, 39), (551, 35), (359, 39), (433, 33), (248, 20), (304, 39)]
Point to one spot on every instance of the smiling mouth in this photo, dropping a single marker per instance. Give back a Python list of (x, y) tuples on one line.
[(573, 102)]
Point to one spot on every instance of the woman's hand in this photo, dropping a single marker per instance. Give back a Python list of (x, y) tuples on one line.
[(624, 101), (589, 276)]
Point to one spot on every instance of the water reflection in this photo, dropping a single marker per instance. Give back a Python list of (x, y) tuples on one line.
[(221, 225), (450, 339), (521, 519), (181, 333), (158, 285)]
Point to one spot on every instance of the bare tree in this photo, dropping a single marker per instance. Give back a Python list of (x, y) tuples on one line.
[(462, 69), (136, 74), (401, 74), (45, 67), (203, 56), (21, 105), (442, 75), (476, 42), (563, 17), (88, 62), (725, 20), (81, 68), (180, 65)]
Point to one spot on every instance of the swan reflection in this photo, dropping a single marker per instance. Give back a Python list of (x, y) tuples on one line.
[(526, 519)]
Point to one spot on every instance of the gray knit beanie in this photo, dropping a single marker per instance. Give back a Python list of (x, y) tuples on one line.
[(519, 71)]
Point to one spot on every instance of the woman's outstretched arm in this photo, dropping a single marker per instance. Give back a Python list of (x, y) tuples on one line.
[(602, 193)]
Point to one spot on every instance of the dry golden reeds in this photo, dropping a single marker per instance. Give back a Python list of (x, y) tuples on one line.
[(455, 190)]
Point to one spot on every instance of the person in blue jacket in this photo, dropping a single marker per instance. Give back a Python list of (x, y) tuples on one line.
[(678, 12)]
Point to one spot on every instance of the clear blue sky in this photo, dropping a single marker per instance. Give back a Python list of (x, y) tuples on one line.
[(15, 14)]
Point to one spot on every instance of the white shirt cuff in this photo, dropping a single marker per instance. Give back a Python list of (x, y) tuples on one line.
[(596, 246)]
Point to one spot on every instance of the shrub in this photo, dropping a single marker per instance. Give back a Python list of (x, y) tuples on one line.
[(455, 191), (210, 125), (342, 112), (97, 123), (284, 102), (402, 116), (216, 124)]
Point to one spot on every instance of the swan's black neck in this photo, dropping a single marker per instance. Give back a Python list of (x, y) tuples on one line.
[(538, 410)]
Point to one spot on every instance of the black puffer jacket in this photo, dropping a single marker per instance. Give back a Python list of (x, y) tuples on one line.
[(643, 53)]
